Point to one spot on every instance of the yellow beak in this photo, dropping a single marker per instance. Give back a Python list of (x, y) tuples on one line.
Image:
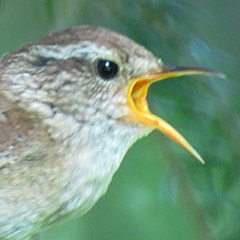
[(137, 93)]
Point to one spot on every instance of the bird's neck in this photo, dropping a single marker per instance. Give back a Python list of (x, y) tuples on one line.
[(95, 154)]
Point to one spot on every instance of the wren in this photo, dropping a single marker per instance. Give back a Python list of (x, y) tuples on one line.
[(71, 105)]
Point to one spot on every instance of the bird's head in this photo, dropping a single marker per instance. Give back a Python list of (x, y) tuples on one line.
[(89, 71)]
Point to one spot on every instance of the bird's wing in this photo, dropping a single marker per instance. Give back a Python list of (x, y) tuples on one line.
[(21, 134)]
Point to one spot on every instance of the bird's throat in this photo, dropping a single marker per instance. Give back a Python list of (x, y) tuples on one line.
[(92, 163)]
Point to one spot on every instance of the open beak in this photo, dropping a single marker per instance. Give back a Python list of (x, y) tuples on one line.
[(137, 93)]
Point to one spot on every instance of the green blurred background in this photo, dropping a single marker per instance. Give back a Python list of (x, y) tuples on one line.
[(160, 191)]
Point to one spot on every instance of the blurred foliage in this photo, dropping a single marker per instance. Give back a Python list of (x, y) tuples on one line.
[(160, 191)]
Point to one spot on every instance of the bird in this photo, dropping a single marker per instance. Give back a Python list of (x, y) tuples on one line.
[(71, 105)]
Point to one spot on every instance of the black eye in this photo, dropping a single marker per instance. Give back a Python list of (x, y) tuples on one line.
[(107, 69)]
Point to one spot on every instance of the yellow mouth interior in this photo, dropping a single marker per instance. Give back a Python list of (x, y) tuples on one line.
[(137, 102)]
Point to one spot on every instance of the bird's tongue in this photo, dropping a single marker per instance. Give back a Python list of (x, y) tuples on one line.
[(137, 102)]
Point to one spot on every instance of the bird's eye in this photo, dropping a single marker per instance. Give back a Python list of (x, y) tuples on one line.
[(107, 69)]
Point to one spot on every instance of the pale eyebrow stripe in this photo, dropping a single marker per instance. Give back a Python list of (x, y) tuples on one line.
[(87, 49)]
